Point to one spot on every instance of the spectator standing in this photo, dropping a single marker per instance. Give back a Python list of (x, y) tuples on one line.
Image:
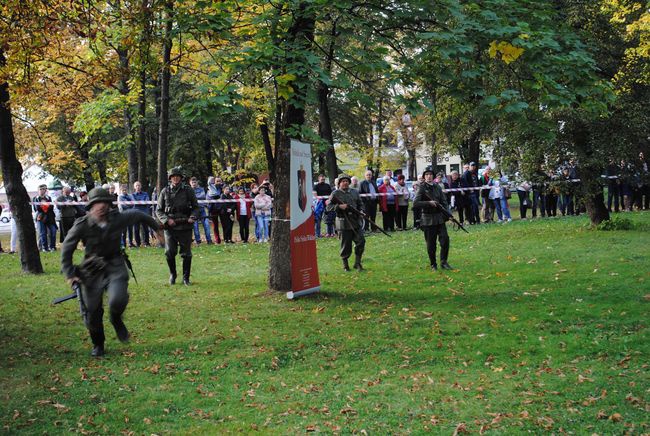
[(369, 188), (612, 173), (388, 204), (46, 219), (68, 212), (470, 180), (203, 213), (539, 194), (227, 215), (417, 211), (123, 207), (354, 184), (263, 204), (140, 230), (488, 203), (215, 191), (323, 189), (552, 194), (497, 194), (457, 199), (523, 192), (244, 213), (403, 197)]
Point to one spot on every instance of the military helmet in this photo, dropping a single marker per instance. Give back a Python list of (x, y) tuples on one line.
[(97, 195), (427, 170), (343, 176), (176, 171)]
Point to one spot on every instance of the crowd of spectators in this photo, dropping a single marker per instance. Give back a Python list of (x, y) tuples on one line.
[(475, 195)]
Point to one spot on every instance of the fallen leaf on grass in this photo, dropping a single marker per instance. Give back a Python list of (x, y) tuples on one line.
[(460, 428), (616, 417), (347, 410)]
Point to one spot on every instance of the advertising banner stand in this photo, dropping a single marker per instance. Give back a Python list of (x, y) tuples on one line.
[(304, 265)]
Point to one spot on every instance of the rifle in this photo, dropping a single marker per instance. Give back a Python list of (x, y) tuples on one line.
[(128, 263), (177, 221), (76, 287), (361, 214), (446, 213)]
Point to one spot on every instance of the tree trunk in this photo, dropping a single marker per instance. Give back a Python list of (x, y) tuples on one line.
[(87, 171), (325, 130), (12, 172), (268, 148), (591, 189), (142, 133), (101, 167), (301, 36), (207, 152), (131, 151), (163, 129)]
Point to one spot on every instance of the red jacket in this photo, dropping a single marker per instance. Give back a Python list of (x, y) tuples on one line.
[(249, 205), (383, 199)]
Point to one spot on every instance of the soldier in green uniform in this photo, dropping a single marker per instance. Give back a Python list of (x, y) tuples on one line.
[(177, 210), (101, 230), (348, 224), (431, 199)]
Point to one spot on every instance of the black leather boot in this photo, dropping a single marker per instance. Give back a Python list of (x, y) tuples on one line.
[(120, 329), (171, 263), (346, 265), (187, 267), (434, 267), (357, 263), (98, 343)]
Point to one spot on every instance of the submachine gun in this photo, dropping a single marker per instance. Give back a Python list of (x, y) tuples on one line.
[(447, 214), (363, 215), (89, 270)]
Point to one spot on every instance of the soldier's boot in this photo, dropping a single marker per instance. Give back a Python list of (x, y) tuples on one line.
[(120, 329), (98, 343), (172, 270), (187, 267), (357, 263), (346, 265), (445, 265)]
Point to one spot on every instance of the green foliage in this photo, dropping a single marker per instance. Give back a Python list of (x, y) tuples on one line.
[(616, 223)]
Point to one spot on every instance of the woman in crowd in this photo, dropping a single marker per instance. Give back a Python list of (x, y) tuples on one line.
[(226, 213), (244, 213), (388, 204), (498, 196), (457, 199), (262, 203), (523, 192), (403, 197)]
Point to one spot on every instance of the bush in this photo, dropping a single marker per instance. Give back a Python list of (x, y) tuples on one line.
[(616, 223)]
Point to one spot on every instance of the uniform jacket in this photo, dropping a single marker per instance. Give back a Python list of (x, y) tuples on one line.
[(430, 216), (177, 202), (345, 219), (100, 241)]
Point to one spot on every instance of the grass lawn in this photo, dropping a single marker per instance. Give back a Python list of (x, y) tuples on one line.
[(543, 328)]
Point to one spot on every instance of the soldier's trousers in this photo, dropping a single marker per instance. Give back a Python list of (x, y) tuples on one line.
[(178, 239), (349, 236), (431, 233), (115, 281)]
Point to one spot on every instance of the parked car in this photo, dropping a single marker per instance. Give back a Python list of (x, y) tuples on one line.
[(5, 217)]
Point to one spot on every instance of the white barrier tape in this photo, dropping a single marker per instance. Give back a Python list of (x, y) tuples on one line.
[(249, 200)]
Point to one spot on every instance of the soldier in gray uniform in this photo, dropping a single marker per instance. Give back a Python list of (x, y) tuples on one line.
[(101, 230), (348, 224), (431, 199), (177, 210)]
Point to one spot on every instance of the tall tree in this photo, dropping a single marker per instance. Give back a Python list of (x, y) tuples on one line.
[(12, 172)]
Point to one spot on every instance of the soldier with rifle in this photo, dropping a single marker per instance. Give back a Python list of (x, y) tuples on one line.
[(104, 267), (348, 223), (177, 210), (434, 205)]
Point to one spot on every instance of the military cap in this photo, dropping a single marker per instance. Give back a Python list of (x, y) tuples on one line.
[(176, 171), (427, 170), (343, 176), (97, 195)]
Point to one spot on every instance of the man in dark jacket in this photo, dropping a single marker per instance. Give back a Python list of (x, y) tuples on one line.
[(369, 187), (469, 179), (177, 210), (101, 230), (68, 212), (433, 201)]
